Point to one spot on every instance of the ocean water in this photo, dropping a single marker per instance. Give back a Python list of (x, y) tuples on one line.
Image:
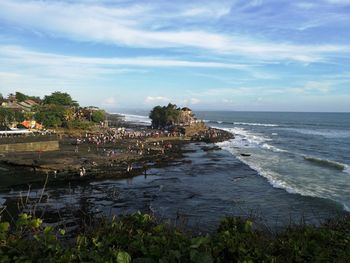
[(302, 153)]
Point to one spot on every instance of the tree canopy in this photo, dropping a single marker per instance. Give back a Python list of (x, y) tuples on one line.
[(165, 116), (8, 116), (60, 98), (21, 97), (51, 116)]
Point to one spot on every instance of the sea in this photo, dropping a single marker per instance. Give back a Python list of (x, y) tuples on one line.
[(281, 168)]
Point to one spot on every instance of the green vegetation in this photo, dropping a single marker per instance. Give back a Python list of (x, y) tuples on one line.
[(165, 116), (8, 116), (54, 111), (98, 116), (138, 238), (60, 98), (20, 97), (51, 116)]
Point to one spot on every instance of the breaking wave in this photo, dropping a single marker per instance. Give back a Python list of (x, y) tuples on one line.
[(273, 178), (328, 163), (259, 162), (272, 148), (145, 120), (256, 124), (242, 123)]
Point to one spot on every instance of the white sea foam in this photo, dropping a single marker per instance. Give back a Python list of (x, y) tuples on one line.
[(242, 123), (244, 138), (137, 119), (273, 178), (267, 163), (272, 148), (256, 124), (347, 169)]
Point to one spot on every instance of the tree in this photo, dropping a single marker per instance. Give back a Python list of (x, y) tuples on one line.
[(21, 97), (98, 116), (60, 98), (164, 116), (7, 116), (157, 116), (19, 116), (69, 114), (51, 116)]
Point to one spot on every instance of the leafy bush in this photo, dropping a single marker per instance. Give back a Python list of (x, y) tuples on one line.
[(98, 116), (138, 238)]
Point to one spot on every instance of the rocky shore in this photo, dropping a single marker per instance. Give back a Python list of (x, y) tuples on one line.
[(102, 154)]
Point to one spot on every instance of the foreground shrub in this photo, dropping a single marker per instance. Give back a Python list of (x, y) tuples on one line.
[(138, 238)]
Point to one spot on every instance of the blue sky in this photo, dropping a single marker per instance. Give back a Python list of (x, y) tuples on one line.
[(260, 55)]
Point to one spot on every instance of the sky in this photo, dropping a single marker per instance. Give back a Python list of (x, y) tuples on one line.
[(239, 55)]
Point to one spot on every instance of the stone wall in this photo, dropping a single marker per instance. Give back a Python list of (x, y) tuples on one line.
[(30, 147)]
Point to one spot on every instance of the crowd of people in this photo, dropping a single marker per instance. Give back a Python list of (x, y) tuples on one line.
[(211, 135), (112, 142), (113, 136)]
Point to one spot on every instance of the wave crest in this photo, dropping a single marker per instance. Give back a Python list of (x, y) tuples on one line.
[(242, 123), (327, 163)]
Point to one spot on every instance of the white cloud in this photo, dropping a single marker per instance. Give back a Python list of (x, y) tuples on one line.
[(207, 10), (22, 56), (313, 87), (338, 2), (111, 101), (132, 26), (156, 99), (191, 101), (194, 101), (305, 5)]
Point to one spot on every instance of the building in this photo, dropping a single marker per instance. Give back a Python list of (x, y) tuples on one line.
[(23, 106), (186, 117)]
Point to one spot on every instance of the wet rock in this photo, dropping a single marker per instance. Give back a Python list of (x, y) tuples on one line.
[(213, 148)]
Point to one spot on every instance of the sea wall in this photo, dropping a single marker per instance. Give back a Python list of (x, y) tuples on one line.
[(30, 147)]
